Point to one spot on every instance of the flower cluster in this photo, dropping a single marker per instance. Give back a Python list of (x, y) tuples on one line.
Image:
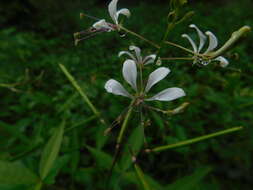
[(203, 58), (130, 73)]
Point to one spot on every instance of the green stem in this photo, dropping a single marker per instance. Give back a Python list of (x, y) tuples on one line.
[(195, 140), (180, 47), (124, 125), (38, 186), (139, 36), (81, 123), (177, 58), (141, 77), (78, 88), (141, 176)]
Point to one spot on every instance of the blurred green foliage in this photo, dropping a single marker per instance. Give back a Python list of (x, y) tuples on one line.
[(36, 97)]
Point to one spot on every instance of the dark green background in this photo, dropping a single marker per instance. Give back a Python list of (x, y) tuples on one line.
[(36, 35)]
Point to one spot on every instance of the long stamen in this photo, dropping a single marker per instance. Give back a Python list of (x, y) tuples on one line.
[(87, 37), (82, 15)]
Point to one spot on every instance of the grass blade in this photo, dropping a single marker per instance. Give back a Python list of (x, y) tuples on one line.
[(79, 89), (194, 140), (51, 151)]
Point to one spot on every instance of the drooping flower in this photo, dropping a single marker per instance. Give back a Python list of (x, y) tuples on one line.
[(129, 72), (114, 14), (202, 58), (137, 57)]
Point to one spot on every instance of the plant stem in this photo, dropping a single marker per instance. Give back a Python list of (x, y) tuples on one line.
[(141, 77), (141, 177), (141, 37), (180, 47), (81, 92), (38, 186), (81, 123), (194, 140), (177, 58), (124, 125)]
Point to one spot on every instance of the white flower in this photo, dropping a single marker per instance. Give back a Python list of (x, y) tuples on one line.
[(129, 72), (114, 13), (213, 43), (102, 25), (136, 57)]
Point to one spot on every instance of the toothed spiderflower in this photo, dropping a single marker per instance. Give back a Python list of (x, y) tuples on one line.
[(203, 58), (129, 72), (136, 56), (114, 13)]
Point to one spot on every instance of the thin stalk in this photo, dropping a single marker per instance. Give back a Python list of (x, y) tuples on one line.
[(141, 177), (81, 123), (141, 37), (38, 186), (141, 77), (81, 92), (124, 125), (180, 47), (169, 28), (194, 140), (177, 58)]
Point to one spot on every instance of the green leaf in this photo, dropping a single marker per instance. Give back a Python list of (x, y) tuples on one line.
[(189, 182), (51, 151), (103, 159), (59, 164), (15, 173), (135, 142)]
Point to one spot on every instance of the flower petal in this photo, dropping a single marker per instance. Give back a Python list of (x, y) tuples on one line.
[(168, 94), (112, 8), (213, 42), (149, 59), (101, 24), (202, 37), (156, 76), (223, 61), (191, 41), (124, 11), (127, 53), (130, 72), (114, 87), (137, 52)]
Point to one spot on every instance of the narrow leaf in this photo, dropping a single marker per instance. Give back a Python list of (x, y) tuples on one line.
[(79, 89), (195, 140), (51, 151), (102, 159), (189, 182), (15, 173)]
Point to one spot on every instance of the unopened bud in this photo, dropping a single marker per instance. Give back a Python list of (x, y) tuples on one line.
[(159, 62), (82, 15)]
